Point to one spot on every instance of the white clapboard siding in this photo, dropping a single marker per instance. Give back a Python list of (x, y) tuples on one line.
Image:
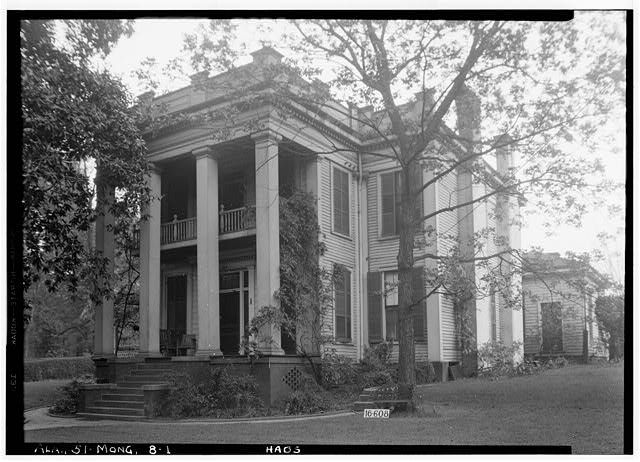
[(340, 249)]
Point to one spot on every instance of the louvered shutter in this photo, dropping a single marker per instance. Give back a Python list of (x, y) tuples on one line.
[(419, 291), (375, 306)]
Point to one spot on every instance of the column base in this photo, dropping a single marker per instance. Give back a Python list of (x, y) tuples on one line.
[(209, 353), (271, 350)]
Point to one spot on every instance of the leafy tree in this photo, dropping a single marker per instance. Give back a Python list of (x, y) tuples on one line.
[(73, 114), (545, 90), (610, 316)]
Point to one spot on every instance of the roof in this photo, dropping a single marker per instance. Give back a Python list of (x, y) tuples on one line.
[(537, 263)]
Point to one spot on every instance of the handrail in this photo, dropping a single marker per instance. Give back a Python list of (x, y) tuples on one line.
[(178, 230), (238, 219)]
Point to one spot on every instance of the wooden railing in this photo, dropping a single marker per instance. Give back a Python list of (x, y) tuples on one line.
[(239, 219), (178, 231)]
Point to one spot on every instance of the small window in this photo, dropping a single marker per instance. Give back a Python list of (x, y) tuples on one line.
[(390, 194), (343, 303), (340, 201)]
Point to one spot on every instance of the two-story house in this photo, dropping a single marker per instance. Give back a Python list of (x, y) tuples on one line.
[(209, 252)]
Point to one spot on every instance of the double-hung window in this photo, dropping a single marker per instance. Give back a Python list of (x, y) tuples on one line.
[(390, 195), (343, 303), (341, 201)]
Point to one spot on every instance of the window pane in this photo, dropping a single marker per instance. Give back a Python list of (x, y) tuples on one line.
[(391, 288), (229, 281), (392, 324)]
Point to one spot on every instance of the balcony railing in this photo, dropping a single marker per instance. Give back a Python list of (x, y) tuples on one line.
[(239, 219), (178, 231), (231, 221)]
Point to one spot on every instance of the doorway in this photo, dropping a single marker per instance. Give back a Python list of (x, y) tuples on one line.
[(551, 327), (177, 303), (234, 310)]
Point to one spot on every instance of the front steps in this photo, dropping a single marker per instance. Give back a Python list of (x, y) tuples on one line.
[(126, 400), (379, 398)]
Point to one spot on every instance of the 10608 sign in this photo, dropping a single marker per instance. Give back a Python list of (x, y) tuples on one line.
[(376, 413)]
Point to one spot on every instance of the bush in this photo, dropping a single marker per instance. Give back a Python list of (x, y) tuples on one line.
[(309, 399), (57, 368), (377, 356), (216, 394), (337, 370), (425, 373), (70, 400), (498, 359)]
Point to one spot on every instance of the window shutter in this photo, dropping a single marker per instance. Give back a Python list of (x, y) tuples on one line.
[(419, 292), (341, 201), (375, 306), (387, 206), (347, 304)]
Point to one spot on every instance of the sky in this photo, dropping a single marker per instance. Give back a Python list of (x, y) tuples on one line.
[(162, 39)]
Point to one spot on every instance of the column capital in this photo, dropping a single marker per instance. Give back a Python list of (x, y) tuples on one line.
[(203, 151), (266, 136), (155, 168)]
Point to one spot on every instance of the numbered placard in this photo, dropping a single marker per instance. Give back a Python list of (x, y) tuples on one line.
[(376, 413)]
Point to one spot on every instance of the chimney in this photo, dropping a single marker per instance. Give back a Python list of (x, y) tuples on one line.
[(505, 161), (146, 97), (426, 96), (468, 113), (354, 115), (198, 89), (266, 56)]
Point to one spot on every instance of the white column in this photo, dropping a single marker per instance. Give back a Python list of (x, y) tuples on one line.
[(150, 269), (267, 234), (103, 330), (208, 261)]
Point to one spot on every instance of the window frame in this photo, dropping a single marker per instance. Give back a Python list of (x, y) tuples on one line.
[(334, 168), (391, 308), (348, 300)]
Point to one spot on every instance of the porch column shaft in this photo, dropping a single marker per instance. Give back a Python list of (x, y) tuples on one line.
[(103, 331), (150, 270), (208, 261), (267, 233)]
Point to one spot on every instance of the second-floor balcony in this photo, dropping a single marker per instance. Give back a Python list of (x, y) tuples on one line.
[(177, 231)]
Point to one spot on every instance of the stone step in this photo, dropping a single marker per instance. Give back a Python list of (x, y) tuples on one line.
[(120, 404), (396, 404), (138, 383), (98, 416), (155, 364), (115, 411), (128, 390), (144, 378), (362, 405), (123, 397), (150, 372)]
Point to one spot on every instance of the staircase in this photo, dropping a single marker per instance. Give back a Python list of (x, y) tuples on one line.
[(126, 401), (379, 398)]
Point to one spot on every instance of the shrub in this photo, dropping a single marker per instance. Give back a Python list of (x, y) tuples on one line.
[(215, 394), (425, 373), (309, 399), (70, 400), (57, 368), (337, 370), (498, 359), (377, 356), (374, 378)]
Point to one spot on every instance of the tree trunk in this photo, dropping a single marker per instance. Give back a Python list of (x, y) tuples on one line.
[(408, 220)]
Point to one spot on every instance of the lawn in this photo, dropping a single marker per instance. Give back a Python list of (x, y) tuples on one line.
[(43, 393), (579, 406)]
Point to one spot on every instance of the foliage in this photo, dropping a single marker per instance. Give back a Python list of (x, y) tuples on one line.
[(609, 312), (310, 398), (378, 355), (70, 401), (305, 295), (217, 393), (496, 358), (57, 368), (73, 115)]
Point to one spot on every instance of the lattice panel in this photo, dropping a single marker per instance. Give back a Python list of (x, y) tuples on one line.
[(293, 379)]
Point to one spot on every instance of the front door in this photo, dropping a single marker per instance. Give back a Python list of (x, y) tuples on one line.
[(551, 327), (230, 323), (177, 303)]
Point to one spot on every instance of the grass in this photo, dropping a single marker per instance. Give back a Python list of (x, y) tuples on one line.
[(579, 406), (43, 393)]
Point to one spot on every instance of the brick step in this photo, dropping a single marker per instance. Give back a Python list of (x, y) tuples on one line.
[(139, 383), (98, 416), (120, 404), (115, 411), (128, 390), (362, 405), (155, 364), (381, 404), (123, 397)]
